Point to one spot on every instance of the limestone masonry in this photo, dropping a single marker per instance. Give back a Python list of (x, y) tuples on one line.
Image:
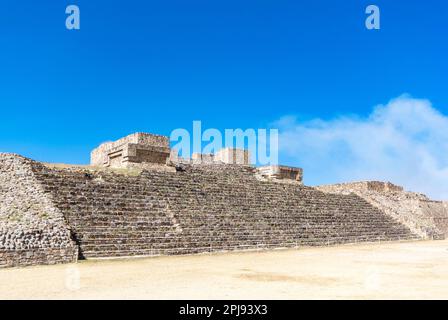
[(425, 217), (138, 198), (136, 148)]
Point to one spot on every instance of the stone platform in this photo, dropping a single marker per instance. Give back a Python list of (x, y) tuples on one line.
[(137, 198)]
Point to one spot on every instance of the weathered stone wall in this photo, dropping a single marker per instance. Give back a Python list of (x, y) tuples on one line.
[(31, 257), (223, 156), (201, 158), (32, 230), (281, 173), (423, 216), (233, 156), (132, 149)]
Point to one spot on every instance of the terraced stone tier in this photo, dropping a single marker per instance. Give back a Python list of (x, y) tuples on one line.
[(32, 230), (204, 209), (423, 216)]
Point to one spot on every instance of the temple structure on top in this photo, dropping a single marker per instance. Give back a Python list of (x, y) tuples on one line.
[(144, 149), (282, 173), (137, 148), (225, 155)]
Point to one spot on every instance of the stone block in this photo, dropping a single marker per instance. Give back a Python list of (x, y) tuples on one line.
[(233, 156), (282, 173), (133, 149)]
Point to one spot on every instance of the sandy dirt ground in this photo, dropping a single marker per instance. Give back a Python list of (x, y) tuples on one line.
[(417, 270)]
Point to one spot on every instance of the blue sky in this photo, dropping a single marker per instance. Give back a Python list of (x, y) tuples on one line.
[(155, 66)]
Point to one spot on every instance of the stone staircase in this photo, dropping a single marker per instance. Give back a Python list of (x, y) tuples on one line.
[(205, 209)]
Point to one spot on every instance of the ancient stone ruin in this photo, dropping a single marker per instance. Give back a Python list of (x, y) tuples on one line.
[(137, 198), (134, 150), (425, 217)]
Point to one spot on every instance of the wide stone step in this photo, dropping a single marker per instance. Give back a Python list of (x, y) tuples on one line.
[(239, 237), (178, 248)]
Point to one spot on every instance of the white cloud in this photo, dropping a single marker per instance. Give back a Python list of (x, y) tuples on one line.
[(405, 142)]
